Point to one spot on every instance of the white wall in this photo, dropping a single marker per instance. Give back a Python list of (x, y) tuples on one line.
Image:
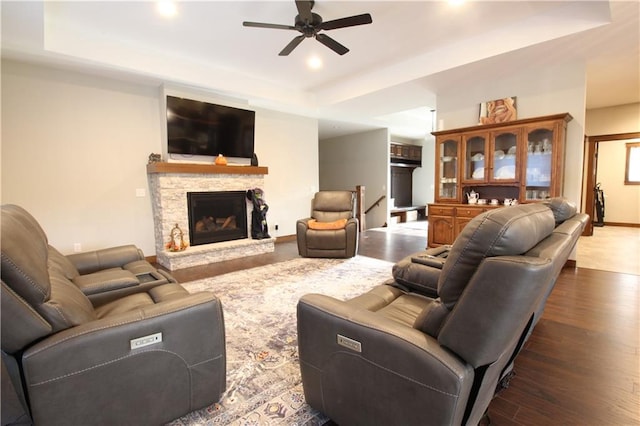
[(289, 147), (423, 177), (75, 149), (539, 92), (613, 120), (358, 159)]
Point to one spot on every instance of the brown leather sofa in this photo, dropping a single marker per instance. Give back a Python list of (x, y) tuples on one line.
[(332, 230), (136, 348), (404, 354)]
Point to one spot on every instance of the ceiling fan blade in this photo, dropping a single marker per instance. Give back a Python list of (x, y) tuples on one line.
[(272, 26), (350, 21), (304, 10), (292, 45), (332, 44)]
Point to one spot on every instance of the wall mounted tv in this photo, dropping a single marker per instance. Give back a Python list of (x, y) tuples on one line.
[(196, 128)]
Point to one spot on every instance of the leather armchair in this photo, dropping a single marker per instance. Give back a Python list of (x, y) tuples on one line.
[(332, 230), (395, 355), (143, 358)]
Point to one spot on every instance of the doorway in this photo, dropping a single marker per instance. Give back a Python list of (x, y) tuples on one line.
[(590, 171)]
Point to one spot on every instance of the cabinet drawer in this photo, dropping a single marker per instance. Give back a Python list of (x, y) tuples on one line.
[(469, 211), (440, 211)]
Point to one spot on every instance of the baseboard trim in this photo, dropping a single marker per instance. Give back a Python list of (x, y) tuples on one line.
[(151, 259), (627, 225)]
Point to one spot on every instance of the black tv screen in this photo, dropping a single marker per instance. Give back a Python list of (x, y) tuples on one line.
[(201, 128)]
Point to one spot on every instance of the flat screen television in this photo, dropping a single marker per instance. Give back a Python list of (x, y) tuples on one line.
[(196, 128)]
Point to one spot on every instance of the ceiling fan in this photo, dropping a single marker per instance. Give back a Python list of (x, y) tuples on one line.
[(310, 24)]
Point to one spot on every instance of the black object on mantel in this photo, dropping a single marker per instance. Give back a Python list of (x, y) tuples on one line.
[(254, 160)]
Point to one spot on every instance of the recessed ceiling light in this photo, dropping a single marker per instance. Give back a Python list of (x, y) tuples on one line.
[(314, 62), (167, 8), (456, 2)]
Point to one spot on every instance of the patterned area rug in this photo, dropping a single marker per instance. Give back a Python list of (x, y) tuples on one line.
[(263, 376)]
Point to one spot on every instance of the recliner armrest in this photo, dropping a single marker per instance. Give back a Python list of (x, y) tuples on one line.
[(318, 313), (113, 257), (105, 280), (420, 271), (303, 224), (376, 353), (181, 373)]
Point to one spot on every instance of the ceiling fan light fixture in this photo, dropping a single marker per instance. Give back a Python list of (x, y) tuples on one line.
[(314, 62), (167, 8)]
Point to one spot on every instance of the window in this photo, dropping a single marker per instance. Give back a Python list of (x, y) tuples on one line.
[(632, 168)]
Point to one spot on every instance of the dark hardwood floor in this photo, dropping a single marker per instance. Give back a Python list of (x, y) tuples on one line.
[(581, 365)]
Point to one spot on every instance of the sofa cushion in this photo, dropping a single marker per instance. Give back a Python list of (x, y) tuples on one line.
[(67, 306), (562, 208), (124, 304), (60, 263), (327, 239)]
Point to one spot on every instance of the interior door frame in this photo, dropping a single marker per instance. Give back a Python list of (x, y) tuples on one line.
[(591, 168)]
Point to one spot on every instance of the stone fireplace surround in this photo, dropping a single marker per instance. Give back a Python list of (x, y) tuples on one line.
[(169, 184)]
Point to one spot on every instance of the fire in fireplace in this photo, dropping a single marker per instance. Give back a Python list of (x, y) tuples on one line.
[(217, 216)]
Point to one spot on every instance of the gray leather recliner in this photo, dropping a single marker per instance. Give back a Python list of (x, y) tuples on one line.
[(341, 240), (395, 355), (146, 357)]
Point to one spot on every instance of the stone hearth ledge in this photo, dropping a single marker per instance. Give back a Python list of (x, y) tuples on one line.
[(215, 252)]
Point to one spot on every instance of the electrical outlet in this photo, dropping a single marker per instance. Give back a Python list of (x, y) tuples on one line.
[(276, 227)]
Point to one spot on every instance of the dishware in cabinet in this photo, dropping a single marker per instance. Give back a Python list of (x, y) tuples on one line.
[(543, 175), (491, 157), (475, 157), (504, 155), (447, 159)]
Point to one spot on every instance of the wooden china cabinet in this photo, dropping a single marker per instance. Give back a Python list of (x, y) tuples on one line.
[(521, 160)]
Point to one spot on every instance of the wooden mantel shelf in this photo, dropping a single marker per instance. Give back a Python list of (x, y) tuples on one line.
[(161, 167)]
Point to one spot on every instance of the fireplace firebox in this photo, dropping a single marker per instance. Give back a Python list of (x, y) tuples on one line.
[(217, 216)]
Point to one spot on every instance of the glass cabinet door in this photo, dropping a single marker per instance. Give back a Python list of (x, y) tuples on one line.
[(539, 164), (504, 145), (475, 160), (448, 165)]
